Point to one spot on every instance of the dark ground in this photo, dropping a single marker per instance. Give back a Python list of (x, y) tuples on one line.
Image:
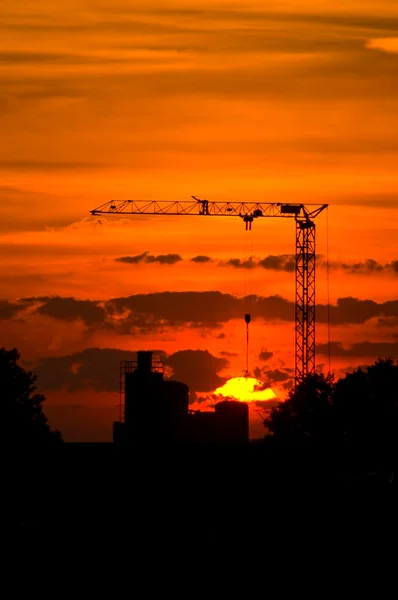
[(247, 493)]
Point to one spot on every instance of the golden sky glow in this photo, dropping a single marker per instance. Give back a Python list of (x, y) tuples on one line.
[(284, 101)]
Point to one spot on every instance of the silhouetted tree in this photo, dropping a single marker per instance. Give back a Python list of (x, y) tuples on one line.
[(366, 404), (22, 419), (307, 417)]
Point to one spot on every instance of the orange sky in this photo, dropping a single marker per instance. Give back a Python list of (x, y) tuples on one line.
[(222, 100)]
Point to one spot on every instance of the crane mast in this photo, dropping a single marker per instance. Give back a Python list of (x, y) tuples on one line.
[(303, 215)]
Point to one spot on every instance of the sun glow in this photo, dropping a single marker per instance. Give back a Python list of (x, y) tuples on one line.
[(245, 389)]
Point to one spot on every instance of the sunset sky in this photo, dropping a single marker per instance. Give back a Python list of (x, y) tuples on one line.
[(247, 100)]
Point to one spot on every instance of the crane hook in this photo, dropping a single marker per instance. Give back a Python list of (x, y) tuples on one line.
[(247, 321)]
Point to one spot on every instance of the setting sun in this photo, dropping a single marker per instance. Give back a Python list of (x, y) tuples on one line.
[(245, 389)]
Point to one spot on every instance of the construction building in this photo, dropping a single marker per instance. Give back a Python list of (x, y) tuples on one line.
[(155, 410)]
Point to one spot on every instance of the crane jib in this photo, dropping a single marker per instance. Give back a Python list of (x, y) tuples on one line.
[(247, 211)]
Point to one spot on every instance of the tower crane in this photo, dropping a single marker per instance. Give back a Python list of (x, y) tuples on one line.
[(304, 216)]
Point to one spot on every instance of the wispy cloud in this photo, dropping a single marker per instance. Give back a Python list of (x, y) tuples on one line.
[(386, 44), (146, 257), (281, 262)]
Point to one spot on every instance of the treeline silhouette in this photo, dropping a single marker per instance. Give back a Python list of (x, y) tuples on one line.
[(23, 421), (357, 414)]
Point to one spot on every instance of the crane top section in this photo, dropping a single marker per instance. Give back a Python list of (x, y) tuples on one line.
[(248, 211)]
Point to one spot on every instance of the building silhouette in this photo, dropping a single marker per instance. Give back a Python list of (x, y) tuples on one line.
[(155, 410)]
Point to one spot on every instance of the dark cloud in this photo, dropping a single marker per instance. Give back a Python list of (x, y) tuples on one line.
[(361, 349), (70, 309), (276, 375), (287, 263), (277, 263), (387, 322), (181, 307), (270, 377), (367, 267), (237, 263), (132, 260), (353, 310), (93, 368), (284, 262), (201, 259), (138, 324), (265, 355), (8, 309), (163, 259), (98, 369), (272, 308), (198, 368), (394, 266), (144, 313), (31, 300)]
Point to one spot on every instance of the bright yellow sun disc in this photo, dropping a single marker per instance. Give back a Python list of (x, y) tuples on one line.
[(245, 389)]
